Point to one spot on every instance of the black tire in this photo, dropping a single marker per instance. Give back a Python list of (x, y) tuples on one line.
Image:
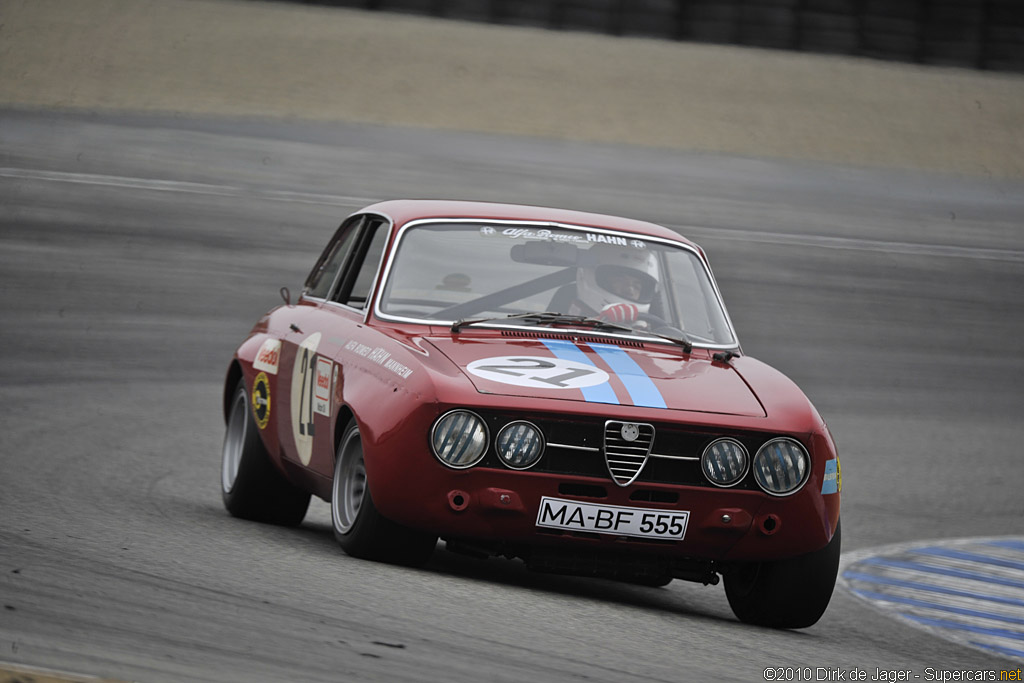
[(359, 528), (789, 593), (252, 488)]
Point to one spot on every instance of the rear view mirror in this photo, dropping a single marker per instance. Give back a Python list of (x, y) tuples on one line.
[(546, 253)]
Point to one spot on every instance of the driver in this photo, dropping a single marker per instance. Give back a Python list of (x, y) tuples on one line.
[(616, 284)]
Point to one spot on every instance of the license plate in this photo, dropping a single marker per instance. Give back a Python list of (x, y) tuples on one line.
[(617, 520)]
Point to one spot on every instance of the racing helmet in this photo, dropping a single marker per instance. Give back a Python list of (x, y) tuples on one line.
[(613, 274)]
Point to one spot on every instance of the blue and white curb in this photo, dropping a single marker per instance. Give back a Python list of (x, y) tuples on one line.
[(969, 591)]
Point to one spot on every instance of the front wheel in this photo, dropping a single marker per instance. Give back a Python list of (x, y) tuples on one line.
[(791, 593), (251, 486), (359, 528)]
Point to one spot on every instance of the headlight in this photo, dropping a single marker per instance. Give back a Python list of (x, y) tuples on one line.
[(724, 462), (459, 439), (780, 466), (520, 445)]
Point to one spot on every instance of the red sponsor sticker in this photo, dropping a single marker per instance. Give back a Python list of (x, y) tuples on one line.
[(322, 392), (269, 356)]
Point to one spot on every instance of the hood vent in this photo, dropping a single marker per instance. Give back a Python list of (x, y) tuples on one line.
[(571, 337)]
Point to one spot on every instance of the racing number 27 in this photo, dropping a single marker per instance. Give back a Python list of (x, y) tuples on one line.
[(538, 370)]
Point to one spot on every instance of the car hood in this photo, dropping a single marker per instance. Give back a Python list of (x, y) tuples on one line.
[(617, 373)]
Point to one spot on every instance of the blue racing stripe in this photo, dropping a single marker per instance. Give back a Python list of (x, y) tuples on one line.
[(872, 578), (944, 571), (963, 611), (972, 557), (640, 387), (599, 393)]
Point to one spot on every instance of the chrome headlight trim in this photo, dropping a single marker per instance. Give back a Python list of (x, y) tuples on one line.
[(528, 444), (735, 473), (782, 466), (459, 439)]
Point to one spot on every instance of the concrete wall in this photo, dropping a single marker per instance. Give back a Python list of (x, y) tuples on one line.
[(983, 34)]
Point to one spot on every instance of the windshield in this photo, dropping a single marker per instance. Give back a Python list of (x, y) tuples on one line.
[(446, 272)]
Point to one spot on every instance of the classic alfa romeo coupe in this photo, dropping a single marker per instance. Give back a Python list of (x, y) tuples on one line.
[(561, 387)]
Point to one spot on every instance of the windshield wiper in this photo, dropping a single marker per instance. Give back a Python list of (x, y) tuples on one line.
[(549, 318), (545, 318), (685, 343)]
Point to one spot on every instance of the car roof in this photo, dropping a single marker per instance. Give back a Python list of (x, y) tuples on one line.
[(402, 211)]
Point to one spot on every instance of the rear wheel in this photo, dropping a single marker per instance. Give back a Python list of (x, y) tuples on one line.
[(359, 528), (790, 593), (251, 486)]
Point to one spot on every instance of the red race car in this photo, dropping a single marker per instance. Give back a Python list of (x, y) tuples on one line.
[(557, 386)]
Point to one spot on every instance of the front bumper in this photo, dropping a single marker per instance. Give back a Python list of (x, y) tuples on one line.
[(498, 506)]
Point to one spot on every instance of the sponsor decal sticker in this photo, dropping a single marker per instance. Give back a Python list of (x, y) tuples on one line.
[(261, 400), (832, 480), (381, 357), (322, 394), (268, 357), (571, 237), (607, 239), (543, 234)]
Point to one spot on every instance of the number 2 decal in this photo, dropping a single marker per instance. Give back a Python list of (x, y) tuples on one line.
[(538, 372), (303, 386)]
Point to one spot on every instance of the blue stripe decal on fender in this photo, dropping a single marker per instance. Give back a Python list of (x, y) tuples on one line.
[(831, 481), (640, 387), (599, 393)]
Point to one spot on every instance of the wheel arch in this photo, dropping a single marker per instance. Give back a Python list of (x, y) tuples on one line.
[(345, 416), (230, 382)]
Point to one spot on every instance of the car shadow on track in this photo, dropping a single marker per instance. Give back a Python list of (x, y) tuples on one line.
[(691, 600), (699, 605)]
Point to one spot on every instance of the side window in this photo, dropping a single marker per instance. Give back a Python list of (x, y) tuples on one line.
[(368, 269), (358, 279), (320, 280)]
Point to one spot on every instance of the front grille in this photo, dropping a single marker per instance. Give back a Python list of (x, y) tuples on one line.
[(577, 446), (626, 447)]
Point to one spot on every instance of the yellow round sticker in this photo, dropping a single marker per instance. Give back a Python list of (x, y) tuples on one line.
[(839, 476), (261, 400)]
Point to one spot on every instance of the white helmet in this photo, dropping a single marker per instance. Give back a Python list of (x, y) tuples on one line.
[(613, 275)]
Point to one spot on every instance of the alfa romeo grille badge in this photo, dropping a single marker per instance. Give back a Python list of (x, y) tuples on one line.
[(630, 432)]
